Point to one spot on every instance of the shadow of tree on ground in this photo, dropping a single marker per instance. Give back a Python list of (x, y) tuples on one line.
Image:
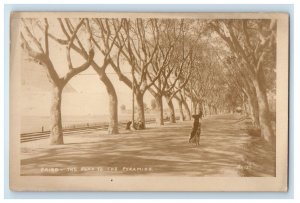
[(225, 150)]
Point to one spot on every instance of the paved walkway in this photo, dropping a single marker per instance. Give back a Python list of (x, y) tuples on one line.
[(225, 150)]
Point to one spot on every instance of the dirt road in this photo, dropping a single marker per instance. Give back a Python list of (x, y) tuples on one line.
[(225, 150)]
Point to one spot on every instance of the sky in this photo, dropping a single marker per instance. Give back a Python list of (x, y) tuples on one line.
[(85, 94)]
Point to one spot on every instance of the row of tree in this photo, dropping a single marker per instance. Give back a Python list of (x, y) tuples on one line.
[(217, 64)]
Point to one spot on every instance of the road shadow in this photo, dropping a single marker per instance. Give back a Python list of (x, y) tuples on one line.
[(225, 150)]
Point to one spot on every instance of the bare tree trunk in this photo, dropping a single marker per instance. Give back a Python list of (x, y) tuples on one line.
[(210, 111), (56, 133), (200, 107), (204, 108), (187, 110), (194, 107), (252, 114), (180, 104), (113, 104), (245, 110), (215, 110), (171, 110), (140, 106), (264, 119), (159, 110), (253, 104)]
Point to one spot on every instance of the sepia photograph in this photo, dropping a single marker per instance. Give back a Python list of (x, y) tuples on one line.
[(148, 101)]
